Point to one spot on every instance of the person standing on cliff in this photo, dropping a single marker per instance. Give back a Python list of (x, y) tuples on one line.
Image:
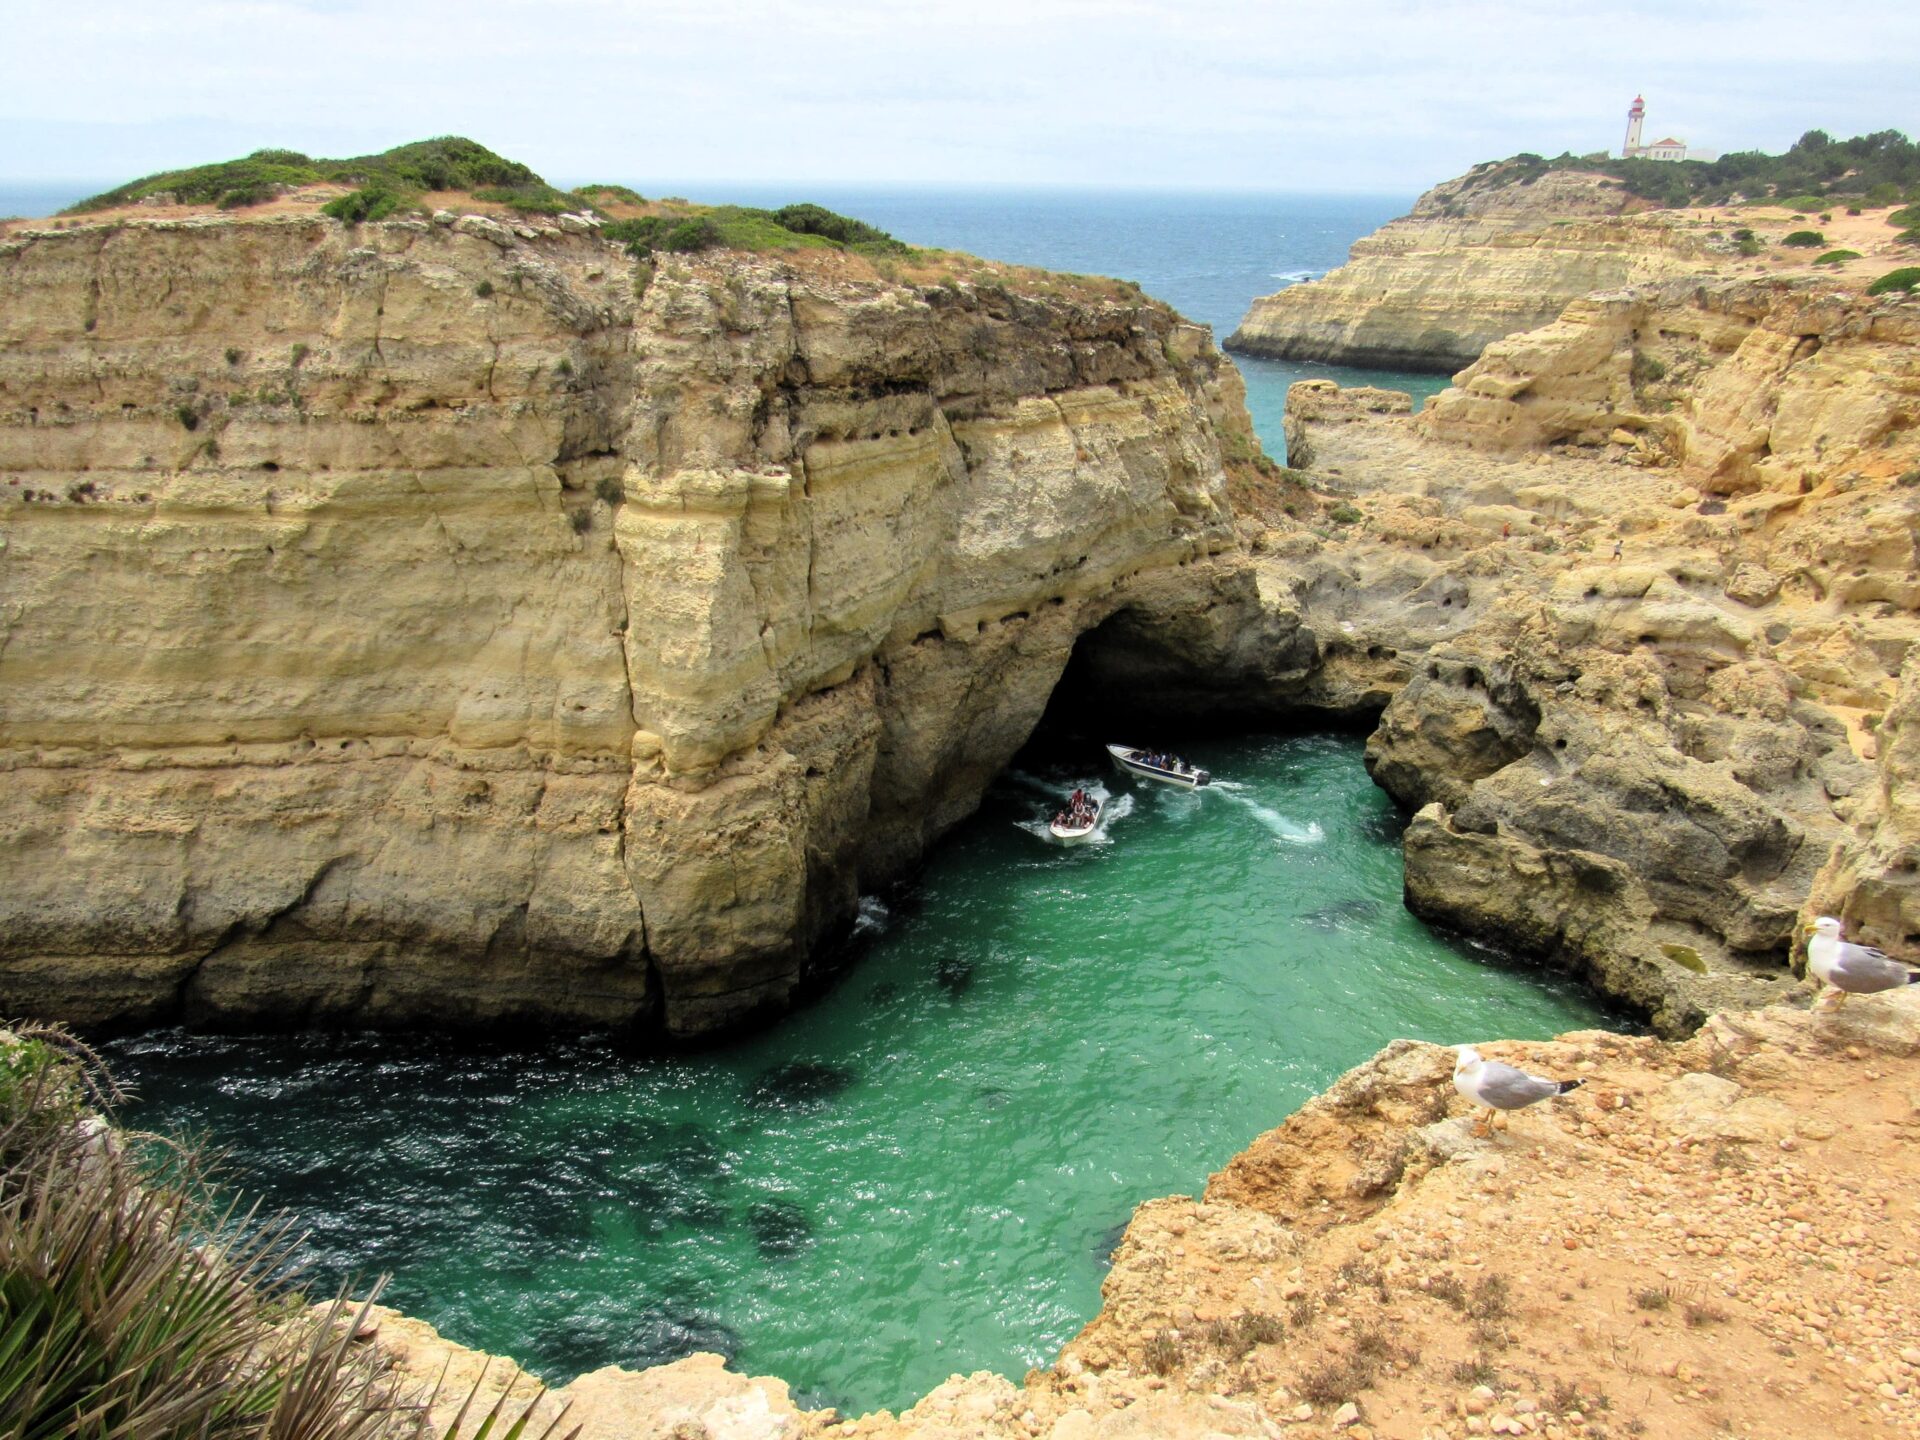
[(1616, 548)]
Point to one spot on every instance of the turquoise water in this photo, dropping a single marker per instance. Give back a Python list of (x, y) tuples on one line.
[(924, 1171)]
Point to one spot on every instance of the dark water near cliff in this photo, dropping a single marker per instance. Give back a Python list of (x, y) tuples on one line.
[(1207, 255), (924, 1172)]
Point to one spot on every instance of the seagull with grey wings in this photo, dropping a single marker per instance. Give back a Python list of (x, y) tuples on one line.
[(1501, 1088), (1844, 968)]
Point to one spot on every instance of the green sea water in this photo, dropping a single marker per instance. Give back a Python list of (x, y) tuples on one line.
[(924, 1171)]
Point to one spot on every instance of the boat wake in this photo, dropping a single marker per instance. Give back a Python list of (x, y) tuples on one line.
[(1294, 277), (1289, 831), (1111, 809), (872, 916)]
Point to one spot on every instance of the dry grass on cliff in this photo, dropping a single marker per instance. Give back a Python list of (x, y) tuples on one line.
[(1709, 1238), (136, 1304), (1265, 495), (1873, 240)]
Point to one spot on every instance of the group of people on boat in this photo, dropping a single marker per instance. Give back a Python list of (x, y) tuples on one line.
[(1161, 760), (1079, 813)]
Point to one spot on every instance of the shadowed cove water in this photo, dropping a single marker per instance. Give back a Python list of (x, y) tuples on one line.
[(925, 1171)]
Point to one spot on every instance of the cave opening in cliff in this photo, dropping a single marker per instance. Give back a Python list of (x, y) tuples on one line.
[(1125, 683), (1137, 678)]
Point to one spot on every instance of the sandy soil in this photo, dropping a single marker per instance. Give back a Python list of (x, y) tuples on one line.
[(1869, 232), (1716, 1238)]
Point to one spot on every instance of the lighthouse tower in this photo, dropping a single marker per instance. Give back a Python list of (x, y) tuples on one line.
[(1635, 114)]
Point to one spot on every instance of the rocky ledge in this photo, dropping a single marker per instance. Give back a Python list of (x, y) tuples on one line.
[(465, 622), (1708, 1238), (1641, 588)]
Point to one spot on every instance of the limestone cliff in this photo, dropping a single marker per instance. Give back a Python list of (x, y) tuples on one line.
[(1469, 265), (1642, 590), (462, 621)]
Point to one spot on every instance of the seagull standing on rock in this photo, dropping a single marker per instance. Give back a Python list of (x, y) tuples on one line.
[(1848, 969), (1501, 1087)]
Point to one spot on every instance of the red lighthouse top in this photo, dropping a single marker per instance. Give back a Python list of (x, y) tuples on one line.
[(1639, 103)]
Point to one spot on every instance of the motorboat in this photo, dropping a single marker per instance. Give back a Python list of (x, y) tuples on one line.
[(1152, 765), (1069, 831)]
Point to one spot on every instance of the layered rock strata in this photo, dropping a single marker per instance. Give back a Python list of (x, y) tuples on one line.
[(460, 623), (1467, 266)]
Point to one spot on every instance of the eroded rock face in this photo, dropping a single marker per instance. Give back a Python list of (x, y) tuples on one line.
[(1748, 385), (418, 623), (1663, 715), (1467, 266)]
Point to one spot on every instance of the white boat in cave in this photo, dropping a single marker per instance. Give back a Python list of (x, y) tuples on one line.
[(1168, 770), (1072, 833)]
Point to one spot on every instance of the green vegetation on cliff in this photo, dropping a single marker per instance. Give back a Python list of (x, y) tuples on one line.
[(401, 174), (398, 179), (742, 227), (1880, 168)]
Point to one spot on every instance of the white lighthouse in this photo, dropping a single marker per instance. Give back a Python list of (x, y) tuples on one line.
[(1668, 149), (1635, 114)]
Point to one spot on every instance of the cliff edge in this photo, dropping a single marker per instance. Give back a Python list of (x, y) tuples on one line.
[(463, 620), (1706, 1239), (1468, 265), (1486, 256)]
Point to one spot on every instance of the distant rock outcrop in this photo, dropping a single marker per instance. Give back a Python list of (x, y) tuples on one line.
[(1471, 263)]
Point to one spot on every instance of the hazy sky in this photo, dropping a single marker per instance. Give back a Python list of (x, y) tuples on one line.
[(1359, 95)]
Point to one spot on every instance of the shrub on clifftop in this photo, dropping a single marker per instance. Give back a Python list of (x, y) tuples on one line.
[(1812, 172), (1903, 279), (406, 171), (1804, 239), (742, 227), (369, 202)]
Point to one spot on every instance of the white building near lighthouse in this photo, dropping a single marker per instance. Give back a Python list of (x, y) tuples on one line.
[(1668, 149)]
